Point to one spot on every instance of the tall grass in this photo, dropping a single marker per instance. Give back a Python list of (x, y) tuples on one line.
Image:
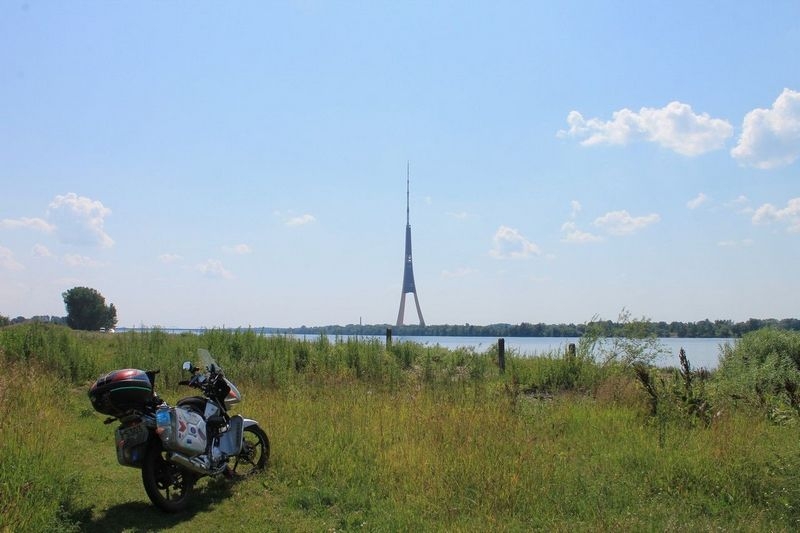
[(457, 456), (37, 487), (407, 438)]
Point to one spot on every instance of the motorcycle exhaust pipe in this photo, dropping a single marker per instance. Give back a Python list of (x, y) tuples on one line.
[(196, 464)]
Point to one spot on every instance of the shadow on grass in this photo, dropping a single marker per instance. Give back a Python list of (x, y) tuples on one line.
[(141, 516)]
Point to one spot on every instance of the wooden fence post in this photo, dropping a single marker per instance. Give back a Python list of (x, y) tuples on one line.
[(501, 354), (388, 338), (571, 351)]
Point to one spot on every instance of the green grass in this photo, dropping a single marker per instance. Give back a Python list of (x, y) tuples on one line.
[(414, 438)]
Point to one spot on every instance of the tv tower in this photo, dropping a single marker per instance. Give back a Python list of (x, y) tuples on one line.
[(408, 272)]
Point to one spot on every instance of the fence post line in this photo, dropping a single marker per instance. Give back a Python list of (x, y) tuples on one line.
[(571, 351), (501, 354)]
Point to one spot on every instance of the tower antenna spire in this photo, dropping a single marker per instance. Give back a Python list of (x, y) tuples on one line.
[(408, 178), (408, 269)]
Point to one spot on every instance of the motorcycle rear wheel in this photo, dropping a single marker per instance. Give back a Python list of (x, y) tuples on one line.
[(254, 454), (167, 485)]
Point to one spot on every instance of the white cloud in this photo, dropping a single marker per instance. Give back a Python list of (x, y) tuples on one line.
[(8, 261), (510, 244), (789, 215), (739, 202), (575, 206), (622, 223), (675, 126), (40, 250), (80, 220), (740, 205), (771, 137), (460, 272), (31, 223), (77, 260), (572, 233), (575, 235), (461, 215), (238, 249), (697, 201), (169, 258), (214, 269), (735, 243), (301, 220)]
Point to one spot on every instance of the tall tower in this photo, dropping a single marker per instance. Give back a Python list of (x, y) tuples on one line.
[(408, 272)]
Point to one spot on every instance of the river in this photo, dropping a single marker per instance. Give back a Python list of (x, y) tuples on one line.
[(700, 352)]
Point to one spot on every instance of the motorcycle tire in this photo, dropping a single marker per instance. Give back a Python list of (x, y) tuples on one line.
[(254, 454), (167, 485)]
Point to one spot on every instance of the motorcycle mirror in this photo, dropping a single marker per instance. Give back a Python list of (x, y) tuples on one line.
[(187, 365)]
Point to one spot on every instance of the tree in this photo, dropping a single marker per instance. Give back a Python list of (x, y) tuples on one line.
[(87, 310)]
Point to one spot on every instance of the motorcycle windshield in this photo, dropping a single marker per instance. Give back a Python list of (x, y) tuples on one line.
[(207, 359)]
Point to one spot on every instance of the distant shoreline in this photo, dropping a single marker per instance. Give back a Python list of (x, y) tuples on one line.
[(687, 330)]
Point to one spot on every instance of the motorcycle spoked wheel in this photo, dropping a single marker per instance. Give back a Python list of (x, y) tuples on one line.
[(254, 454), (167, 485)]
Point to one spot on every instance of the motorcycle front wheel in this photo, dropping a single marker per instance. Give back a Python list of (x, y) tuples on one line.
[(255, 452), (167, 485)]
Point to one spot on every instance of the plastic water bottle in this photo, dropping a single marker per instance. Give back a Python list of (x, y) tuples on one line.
[(164, 426)]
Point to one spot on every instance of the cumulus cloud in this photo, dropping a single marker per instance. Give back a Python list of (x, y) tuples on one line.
[(169, 258), (80, 220), (740, 202), (575, 235), (575, 207), (571, 231), (508, 243), (622, 223), (301, 220), (40, 250), (770, 138), (675, 127), (789, 215), (735, 243), (238, 249), (77, 260), (8, 261), (30, 223), (214, 269), (697, 201), (460, 272)]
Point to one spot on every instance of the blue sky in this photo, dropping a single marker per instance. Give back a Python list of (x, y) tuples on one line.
[(244, 163)]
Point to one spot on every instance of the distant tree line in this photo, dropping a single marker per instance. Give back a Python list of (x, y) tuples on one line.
[(607, 328), (86, 310), (702, 329), (6, 321)]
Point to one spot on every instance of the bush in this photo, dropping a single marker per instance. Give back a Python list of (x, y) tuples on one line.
[(763, 370)]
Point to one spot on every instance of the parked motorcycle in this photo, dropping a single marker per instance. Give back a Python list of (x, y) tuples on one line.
[(175, 446)]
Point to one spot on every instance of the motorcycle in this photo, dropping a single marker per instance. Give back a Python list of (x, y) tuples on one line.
[(176, 446)]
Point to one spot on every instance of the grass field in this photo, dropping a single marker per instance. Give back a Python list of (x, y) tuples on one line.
[(411, 438)]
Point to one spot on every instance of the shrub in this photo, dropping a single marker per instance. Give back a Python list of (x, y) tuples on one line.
[(763, 370)]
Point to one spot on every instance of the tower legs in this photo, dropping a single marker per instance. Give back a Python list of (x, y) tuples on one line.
[(419, 311), (402, 311)]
